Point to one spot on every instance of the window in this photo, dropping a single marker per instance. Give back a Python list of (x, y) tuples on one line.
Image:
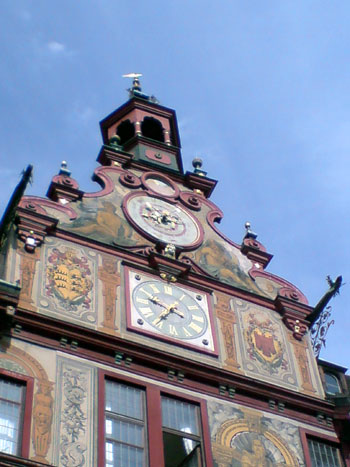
[(16, 394), (323, 454), (320, 452), (11, 414), (142, 426), (181, 433), (125, 425), (332, 384)]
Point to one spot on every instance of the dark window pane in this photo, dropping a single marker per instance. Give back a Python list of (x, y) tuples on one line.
[(323, 454), (180, 451), (332, 384)]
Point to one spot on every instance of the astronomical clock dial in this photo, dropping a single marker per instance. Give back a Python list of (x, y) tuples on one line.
[(170, 311), (161, 220)]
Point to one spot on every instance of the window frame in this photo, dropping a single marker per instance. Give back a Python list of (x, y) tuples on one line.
[(153, 414), (305, 435), (336, 377), (26, 417)]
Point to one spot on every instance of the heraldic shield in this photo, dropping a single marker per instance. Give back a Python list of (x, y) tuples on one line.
[(68, 279)]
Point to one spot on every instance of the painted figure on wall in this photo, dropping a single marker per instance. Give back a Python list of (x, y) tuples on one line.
[(101, 221), (214, 258), (42, 417), (247, 438)]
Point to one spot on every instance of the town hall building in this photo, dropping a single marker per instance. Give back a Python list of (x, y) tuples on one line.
[(134, 333)]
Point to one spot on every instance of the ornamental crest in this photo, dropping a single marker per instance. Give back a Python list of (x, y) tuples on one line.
[(69, 279), (264, 344)]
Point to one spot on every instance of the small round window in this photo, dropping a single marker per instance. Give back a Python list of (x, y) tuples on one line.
[(332, 384)]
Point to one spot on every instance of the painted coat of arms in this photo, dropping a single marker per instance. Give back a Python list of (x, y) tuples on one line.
[(69, 279), (264, 344)]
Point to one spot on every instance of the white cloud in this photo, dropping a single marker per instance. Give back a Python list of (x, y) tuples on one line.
[(56, 47)]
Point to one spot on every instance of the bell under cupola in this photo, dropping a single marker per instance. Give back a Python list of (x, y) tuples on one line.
[(143, 130)]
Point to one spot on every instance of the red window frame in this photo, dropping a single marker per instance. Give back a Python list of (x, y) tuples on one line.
[(153, 395), (306, 434), (28, 383)]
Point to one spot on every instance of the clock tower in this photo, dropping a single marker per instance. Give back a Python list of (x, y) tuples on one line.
[(135, 333)]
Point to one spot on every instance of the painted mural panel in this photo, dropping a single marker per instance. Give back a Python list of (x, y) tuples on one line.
[(67, 284), (102, 218), (74, 408), (38, 363), (265, 351), (244, 437)]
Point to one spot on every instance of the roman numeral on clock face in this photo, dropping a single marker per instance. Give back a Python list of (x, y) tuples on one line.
[(142, 300), (154, 288), (172, 330), (147, 312), (168, 290), (195, 327)]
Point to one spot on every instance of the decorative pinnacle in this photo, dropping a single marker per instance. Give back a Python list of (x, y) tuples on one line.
[(197, 164), (136, 85), (249, 232), (64, 169)]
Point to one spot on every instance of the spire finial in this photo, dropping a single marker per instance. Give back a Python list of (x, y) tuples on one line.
[(64, 169), (136, 85), (249, 232), (197, 165)]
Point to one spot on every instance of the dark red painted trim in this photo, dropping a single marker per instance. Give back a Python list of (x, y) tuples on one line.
[(101, 177), (206, 434), (28, 383), (145, 176), (154, 423), (8, 460), (101, 420), (37, 202), (305, 434)]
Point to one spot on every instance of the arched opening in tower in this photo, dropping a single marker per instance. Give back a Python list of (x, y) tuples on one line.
[(152, 128), (125, 131)]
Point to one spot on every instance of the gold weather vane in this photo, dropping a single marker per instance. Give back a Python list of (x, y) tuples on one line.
[(136, 85)]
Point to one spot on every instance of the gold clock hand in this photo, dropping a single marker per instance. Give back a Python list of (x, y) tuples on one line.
[(173, 309), (162, 316), (157, 301)]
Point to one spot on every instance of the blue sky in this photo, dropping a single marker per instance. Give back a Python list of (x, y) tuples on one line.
[(261, 91)]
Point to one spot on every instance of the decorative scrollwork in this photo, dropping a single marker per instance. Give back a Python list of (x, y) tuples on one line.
[(130, 180), (320, 329), (191, 201), (289, 293)]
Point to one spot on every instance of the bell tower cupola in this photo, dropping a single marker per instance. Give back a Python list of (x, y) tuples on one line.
[(144, 129)]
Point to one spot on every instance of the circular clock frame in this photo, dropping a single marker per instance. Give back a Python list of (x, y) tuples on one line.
[(165, 221)]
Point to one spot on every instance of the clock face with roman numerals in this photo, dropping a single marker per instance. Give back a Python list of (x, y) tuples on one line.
[(170, 311), (163, 221)]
